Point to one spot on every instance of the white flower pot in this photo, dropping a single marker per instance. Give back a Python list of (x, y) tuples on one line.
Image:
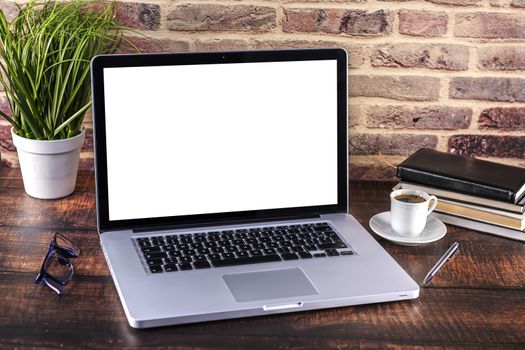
[(49, 168)]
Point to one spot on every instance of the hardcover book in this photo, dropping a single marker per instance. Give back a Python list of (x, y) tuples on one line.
[(465, 198), (463, 174), (480, 226), (491, 216)]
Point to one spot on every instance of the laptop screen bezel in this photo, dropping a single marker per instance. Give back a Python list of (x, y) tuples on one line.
[(137, 60)]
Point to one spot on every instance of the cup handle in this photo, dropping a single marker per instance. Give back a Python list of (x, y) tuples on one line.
[(434, 201)]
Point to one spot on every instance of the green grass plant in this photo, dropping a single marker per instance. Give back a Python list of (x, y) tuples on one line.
[(46, 52)]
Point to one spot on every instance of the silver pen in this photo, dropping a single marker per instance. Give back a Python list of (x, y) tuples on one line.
[(448, 254)]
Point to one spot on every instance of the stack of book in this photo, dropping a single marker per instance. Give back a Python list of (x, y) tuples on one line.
[(472, 193)]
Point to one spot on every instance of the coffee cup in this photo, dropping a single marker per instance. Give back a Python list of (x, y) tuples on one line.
[(409, 210)]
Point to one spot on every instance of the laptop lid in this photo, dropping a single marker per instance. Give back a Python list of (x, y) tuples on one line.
[(204, 138)]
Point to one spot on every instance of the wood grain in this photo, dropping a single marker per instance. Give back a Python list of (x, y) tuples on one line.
[(370, 191), (23, 249), (76, 211), (440, 315), (476, 301), (477, 265), (11, 178)]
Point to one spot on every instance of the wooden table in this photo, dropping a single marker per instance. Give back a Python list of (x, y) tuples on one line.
[(477, 300)]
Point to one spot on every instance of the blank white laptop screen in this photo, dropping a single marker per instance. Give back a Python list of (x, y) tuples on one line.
[(215, 138)]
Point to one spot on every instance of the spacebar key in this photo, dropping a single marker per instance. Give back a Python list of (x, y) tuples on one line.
[(247, 260)]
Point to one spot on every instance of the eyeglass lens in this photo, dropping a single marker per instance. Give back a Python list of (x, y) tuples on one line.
[(65, 246), (57, 270)]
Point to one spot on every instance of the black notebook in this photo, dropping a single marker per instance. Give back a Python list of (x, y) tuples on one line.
[(464, 174)]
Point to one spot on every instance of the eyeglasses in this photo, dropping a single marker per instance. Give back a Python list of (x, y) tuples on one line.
[(57, 270)]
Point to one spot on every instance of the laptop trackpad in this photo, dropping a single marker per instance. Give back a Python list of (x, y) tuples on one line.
[(272, 284)]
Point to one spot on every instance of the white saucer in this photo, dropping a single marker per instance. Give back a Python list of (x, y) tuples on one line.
[(434, 230)]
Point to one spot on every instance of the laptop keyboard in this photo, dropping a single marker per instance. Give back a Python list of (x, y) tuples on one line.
[(204, 250)]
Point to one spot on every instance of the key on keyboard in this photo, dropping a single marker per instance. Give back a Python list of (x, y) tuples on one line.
[(216, 249)]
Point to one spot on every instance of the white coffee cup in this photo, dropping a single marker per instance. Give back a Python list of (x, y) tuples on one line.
[(409, 210)]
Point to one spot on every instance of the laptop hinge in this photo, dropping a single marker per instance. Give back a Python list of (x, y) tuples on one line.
[(222, 223)]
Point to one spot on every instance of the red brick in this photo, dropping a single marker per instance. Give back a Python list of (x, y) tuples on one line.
[(374, 173), (138, 15), (456, 2), (433, 117), (5, 107), (146, 44), (436, 56), (9, 159), (355, 115), (499, 3), (491, 89), (336, 21), (511, 118), (6, 140), (490, 25), (356, 54), (501, 58), (423, 23), (88, 117), (412, 87), (212, 17), (331, 1), (488, 146), (395, 144), (9, 9), (88, 142), (221, 45)]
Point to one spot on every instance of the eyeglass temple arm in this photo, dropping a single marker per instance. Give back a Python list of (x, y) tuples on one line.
[(43, 272), (62, 283), (52, 286)]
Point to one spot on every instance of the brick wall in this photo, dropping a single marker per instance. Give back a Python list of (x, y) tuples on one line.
[(444, 74)]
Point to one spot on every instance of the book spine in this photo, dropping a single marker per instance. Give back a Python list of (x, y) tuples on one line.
[(465, 198), (481, 227), (476, 207), (488, 219), (444, 182)]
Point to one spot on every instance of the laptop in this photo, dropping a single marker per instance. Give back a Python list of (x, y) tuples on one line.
[(222, 187)]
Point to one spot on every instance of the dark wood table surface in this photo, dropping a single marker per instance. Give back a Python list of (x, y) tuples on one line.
[(476, 301)]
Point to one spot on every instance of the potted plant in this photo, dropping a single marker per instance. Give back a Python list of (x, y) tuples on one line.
[(46, 52)]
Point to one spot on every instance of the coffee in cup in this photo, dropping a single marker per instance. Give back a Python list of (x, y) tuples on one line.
[(410, 198), (409, 210)]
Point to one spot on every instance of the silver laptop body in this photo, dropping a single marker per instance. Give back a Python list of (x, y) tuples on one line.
[(230, 144)]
